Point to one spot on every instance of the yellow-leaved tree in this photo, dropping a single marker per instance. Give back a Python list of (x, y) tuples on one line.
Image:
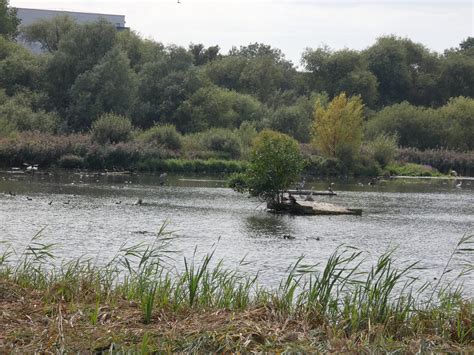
[(337, 128)]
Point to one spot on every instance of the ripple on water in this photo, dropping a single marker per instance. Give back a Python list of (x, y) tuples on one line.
[(85, 219)]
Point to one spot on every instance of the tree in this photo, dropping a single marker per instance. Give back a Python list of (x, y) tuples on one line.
[(405, 70), (338, 128), (457, 76), (9, 20), (275, 164), (296, 119), (217, 107), (79, 51), (140, 51), (19, 68), (458, 120), (161, 91), (417, 127), (48, 32), (110, 86), (201, 55), (340, 71)]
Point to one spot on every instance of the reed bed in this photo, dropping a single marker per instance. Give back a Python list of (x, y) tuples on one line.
[(138, 302)]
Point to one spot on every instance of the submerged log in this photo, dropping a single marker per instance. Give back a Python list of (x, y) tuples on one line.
[(312, 208)]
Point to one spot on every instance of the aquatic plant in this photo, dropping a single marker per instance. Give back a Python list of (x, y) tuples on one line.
[(316, 307)]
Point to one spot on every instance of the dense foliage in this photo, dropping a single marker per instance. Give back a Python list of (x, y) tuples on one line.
[(274, 165), (423, 98)]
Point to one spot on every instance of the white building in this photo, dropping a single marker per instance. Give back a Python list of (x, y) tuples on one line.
[(29, 16)]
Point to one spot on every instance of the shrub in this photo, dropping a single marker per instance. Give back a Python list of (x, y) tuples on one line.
[(7, 128), (39, 148), (163, 135), (111, 128), (458, 119), (223, 141), (442, 159), (411, 169), (211, 166), (246, 133), (383, 148), (23, 118), (71, 161)]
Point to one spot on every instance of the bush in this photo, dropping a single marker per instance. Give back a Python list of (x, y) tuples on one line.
[(111, 128), (7, 128), (211, 166), (71, 161), (383, 149), (442, 159), (23, 118), (39, 148), (411, 169), (246, 133), (415, 126), (223, 141), (458, 118), (163, 135)]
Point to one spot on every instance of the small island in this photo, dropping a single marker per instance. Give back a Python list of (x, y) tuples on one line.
[(275, 165)]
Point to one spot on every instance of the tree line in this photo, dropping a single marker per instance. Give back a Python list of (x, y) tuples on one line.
[(423, 98)]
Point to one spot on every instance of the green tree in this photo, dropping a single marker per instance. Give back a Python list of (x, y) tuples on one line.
[(19, 68), (19, 113), (417, 127), (275, 164), (161, 92), (9, 20), (340, 71), (217, 107), (338, 127), (140, 51), (257, 69), (296, 119), (110, 86), (405, 71), (203, 55), (458, 120), (457, 76), (48, 33), (79, 51)]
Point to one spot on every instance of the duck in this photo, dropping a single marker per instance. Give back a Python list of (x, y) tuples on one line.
[(288, 236)]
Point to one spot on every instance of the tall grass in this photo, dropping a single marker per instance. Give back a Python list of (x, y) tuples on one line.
[(342, 294)]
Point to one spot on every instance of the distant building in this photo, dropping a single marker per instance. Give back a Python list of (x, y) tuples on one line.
[(29, 16)]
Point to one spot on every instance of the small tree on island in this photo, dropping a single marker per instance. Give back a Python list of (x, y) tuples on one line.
[(275, 164)]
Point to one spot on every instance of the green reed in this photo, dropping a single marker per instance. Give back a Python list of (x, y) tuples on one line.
[(343, 293)]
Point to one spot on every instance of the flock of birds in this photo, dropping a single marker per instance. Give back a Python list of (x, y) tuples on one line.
[(33, 168)]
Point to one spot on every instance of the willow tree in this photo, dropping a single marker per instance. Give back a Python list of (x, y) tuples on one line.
[(337, 128), (275, 164)]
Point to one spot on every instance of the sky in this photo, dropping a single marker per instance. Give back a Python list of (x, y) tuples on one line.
[(291, 25)]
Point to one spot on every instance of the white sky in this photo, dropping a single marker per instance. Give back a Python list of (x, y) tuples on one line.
[(291, 25)]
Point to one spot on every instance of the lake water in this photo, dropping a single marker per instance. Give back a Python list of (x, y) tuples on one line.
[(90, 215)]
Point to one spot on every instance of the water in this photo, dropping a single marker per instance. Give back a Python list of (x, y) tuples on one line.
[(93, 216)]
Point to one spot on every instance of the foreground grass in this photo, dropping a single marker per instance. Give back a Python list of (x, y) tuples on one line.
[(138, 303)]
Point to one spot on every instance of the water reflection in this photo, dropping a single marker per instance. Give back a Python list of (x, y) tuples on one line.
[(424, 218), (266, 225)]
